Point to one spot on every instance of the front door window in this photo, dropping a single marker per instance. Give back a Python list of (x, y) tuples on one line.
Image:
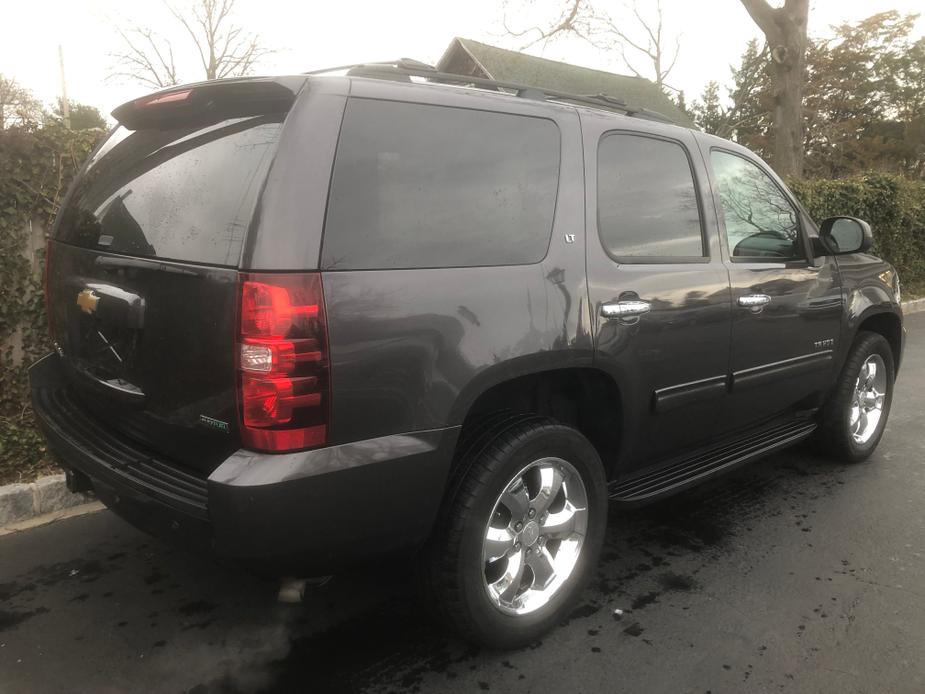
[(761, 223)]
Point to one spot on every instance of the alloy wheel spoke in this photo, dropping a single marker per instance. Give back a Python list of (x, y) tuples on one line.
[(498, 542), (541, 564), (862, 423), (560, 525), (516, 499), (855, 420), (878, 399), (551, 480), (506, 587)]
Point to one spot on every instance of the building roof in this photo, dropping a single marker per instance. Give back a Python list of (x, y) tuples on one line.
[(464, 56)]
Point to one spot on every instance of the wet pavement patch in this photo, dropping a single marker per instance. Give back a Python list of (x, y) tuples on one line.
[(196, 607), (634, 629), (582, 611), (9, 620), (10, 590), (678, 582), (154, 577), (644, 600)]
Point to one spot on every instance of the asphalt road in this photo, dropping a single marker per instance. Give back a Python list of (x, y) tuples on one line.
[(794, 574)]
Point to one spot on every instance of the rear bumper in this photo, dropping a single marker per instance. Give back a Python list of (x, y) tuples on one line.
[(312, 511)]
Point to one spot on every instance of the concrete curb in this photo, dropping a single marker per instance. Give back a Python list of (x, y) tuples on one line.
[(48, 496), (20, 502), (36, 521)]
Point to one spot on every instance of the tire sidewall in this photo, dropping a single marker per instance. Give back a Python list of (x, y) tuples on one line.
[(870, 344), (496, 627)]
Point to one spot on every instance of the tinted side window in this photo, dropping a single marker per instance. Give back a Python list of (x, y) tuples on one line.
[(646, 200), (760, 221), (186, 193), (430, 186)]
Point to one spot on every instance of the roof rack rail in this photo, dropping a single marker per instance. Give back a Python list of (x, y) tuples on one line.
[(401, 63), (406, 68)]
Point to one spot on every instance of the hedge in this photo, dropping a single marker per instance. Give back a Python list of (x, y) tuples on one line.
[(894, 206), (36, 166)]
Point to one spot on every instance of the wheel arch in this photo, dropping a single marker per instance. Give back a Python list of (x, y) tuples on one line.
[(889, 325), (584, 397)]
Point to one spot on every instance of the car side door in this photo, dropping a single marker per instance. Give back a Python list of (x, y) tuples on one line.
[(786, 304), (658, 290)]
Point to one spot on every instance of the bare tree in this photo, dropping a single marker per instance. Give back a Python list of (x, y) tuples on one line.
[(147, 58), (224, 48), (785, 30), (583, 19), (17, 105)]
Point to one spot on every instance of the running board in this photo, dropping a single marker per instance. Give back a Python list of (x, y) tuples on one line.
[(708, 462)]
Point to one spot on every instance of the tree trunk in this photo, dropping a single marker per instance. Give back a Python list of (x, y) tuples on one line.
[(788, 117), (785, 30)]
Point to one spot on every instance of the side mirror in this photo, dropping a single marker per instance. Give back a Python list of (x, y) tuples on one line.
[(840, 235)]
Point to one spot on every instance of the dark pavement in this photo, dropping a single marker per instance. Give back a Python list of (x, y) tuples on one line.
[(794, 574)]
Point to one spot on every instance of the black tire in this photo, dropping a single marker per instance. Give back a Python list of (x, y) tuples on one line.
[(452, 565), (833, 439)]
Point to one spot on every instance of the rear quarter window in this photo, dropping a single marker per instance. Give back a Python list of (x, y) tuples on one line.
[(431, 186), (184, 193)]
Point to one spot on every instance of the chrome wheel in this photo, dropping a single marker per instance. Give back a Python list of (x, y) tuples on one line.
[(534, 536), (866, 408)]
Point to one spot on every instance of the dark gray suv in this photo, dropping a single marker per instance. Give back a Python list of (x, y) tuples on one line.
[(312, 321)]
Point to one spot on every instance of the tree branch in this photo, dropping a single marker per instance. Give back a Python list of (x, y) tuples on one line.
[(763, 15), (580, 18), (224, 48)]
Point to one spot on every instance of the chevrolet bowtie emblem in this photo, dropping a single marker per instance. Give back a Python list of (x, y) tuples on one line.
[(88, 300)]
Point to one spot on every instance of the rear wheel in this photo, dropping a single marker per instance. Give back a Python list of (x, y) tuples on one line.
[(853, 420), (520, 536)]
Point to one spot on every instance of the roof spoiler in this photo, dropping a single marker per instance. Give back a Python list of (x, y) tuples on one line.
[(210, 101)]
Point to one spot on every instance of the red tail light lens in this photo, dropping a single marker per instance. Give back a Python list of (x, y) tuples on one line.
[(283, 364)]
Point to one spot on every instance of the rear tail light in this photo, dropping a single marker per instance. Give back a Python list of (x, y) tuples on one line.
[(284, 393)]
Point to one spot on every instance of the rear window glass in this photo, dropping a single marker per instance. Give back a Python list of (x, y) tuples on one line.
[(432, 186), (646, 199), (182, 194)]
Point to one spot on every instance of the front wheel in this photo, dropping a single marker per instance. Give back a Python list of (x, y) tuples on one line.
[(521, 536), (853, 420)]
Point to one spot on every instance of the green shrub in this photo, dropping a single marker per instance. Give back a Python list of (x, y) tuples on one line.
[(894, 207), (36, 166)]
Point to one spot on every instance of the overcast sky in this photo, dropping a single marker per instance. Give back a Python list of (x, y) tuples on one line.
[(309, 35)]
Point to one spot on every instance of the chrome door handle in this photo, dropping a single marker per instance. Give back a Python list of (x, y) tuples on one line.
[(754, 301), (625, 309)]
